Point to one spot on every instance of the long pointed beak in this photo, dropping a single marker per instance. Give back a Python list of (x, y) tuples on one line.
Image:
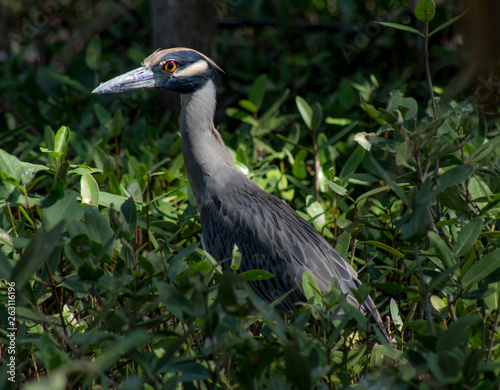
[(142, 77)]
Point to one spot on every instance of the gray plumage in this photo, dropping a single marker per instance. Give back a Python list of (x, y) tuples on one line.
[(234, 210)]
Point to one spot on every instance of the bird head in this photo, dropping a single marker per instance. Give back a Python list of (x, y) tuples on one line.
[(179, 69)]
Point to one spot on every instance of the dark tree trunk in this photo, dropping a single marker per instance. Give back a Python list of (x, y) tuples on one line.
[(183, 23)]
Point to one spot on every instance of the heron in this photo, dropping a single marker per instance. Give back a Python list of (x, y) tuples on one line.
[(269, 234)]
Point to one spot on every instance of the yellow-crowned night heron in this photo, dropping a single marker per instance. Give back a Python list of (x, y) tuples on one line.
[(269, 234)]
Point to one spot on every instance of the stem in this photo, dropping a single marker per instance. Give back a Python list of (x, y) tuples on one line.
[(428, 70), (11, 219)]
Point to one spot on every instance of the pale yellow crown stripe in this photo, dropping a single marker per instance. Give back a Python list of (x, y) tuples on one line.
[(198, 67)]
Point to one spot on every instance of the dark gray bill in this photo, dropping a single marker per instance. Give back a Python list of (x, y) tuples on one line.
[(142, 77)]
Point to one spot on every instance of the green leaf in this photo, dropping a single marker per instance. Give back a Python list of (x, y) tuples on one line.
[(51, 152), (343, 243), (405, 150), (93, 53), (338, 121), (437, 303), (383, 246), (483, 268), (89, 190), (311, 289), (316, 212), (129, 216), (241, 116), (443, 251), (449, 178), (336, 188), (317, 116), (103, 116), (65, 80), (67, 208), (372, 192), (448, 23), (37, 252), (483, 152), (382, 173), (352, 164), (401, 27), (248, 105), (258, 90), (235, 258), (468, 236), (425, 10), (396, 318), (62, 139), (90, 272), (256, 274), (112, 353), (17, 172), (305, 110), (299, 165)]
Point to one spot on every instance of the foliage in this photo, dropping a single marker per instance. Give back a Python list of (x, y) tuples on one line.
[(99, 233)]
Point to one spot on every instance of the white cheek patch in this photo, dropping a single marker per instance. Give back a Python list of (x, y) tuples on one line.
[(198, 67)]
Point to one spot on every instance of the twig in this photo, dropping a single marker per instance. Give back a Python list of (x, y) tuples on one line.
[(428, 72)]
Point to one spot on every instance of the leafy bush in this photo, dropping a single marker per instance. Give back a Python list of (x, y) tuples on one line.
[(100, 238)]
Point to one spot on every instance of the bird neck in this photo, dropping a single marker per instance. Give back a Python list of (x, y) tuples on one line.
[(206, 159)]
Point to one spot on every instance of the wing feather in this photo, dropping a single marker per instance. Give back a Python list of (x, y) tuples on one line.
[(272, 236)]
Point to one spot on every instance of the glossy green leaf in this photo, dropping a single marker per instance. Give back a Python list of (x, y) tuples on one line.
[(129, 216), (316, 212), (396, 318), (305, 111), (444, 252), (425, 10), (62, 139), (336, 188), (438, 303), (299, 165), (483, 268), (352, 164), (468, 236), (89, 190)]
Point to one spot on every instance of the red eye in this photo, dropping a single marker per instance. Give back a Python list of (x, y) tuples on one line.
[(170, 66)]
